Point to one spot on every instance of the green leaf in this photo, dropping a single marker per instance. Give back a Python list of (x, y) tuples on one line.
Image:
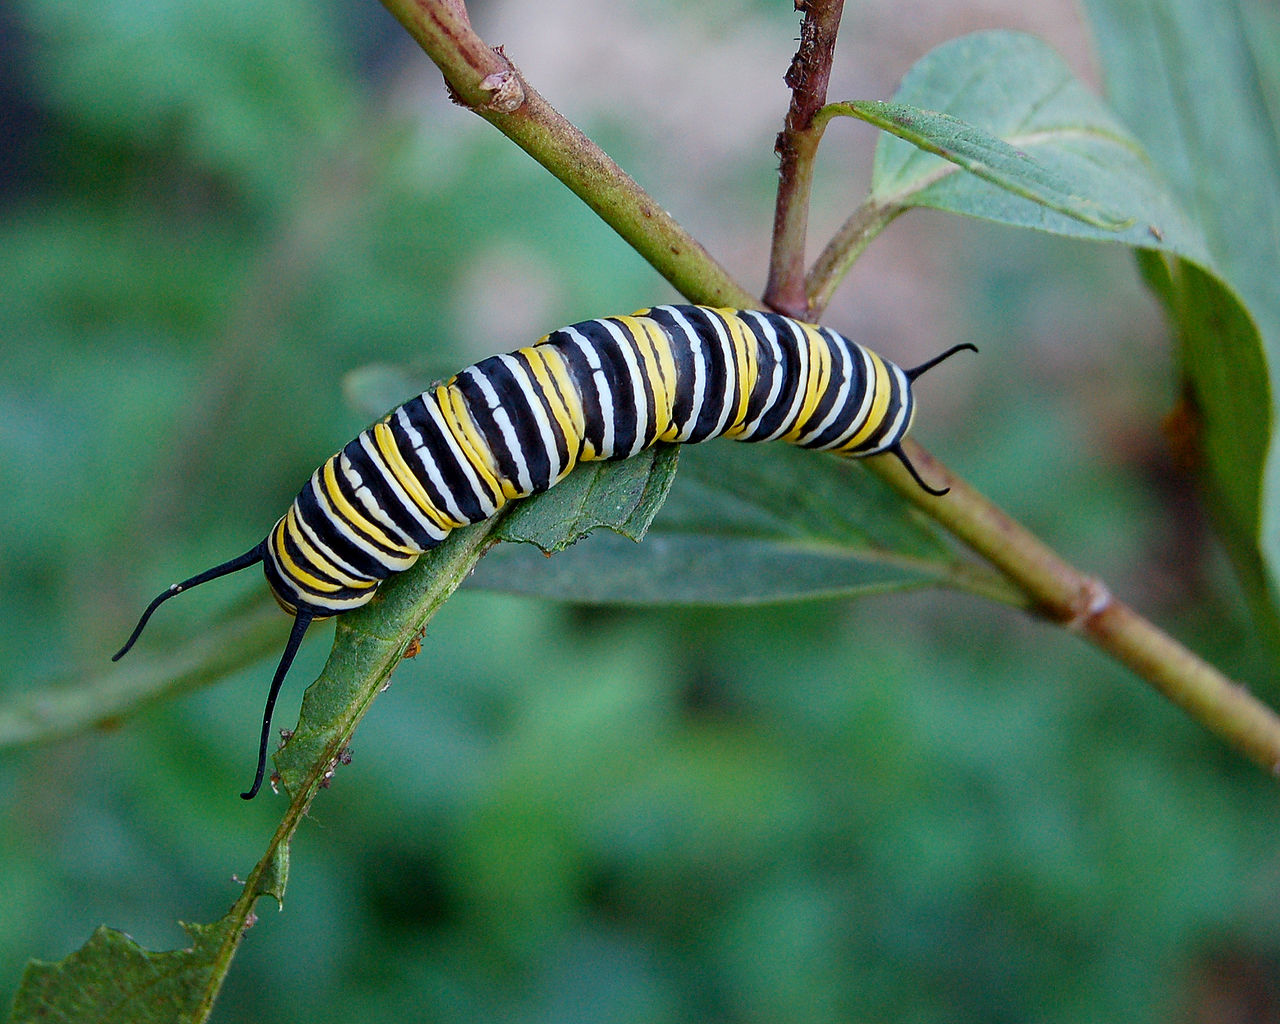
[(981, 154), (747, 524), (1199, 84), (113, 980), (1014, 87)]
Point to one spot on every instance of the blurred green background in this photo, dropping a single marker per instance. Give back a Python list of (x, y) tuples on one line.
[(915, 807)]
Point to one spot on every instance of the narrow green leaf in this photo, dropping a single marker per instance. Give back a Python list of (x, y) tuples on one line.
[(112, 979), (675, 569), (983, 155), (368, 645)]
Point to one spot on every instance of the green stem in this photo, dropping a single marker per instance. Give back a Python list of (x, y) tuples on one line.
[(344, 694), (368, 645), (480, 78)]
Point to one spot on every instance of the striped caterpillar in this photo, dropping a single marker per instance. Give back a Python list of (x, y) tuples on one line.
[(513, 425)]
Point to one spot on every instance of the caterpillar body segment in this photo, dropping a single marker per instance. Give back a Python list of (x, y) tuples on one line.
[(513, 425)]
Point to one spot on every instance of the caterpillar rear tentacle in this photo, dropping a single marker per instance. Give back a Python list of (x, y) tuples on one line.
[(896, 449), (513, 425)]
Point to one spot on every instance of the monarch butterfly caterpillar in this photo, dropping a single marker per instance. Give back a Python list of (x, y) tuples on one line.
[(513, 425)]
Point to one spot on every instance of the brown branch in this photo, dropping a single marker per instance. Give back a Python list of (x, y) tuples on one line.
[(797, 145)]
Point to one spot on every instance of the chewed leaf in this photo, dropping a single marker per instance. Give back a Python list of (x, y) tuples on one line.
[(113, 980), (983, 155), (623, 496)]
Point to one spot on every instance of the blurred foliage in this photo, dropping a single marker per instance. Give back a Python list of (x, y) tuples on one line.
[(908, 808)]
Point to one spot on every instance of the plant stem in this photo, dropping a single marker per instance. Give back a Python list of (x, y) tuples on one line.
[(808, 77), (484, 80)]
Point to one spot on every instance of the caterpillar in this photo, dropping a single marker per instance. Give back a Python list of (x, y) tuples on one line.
[(513, 425)]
